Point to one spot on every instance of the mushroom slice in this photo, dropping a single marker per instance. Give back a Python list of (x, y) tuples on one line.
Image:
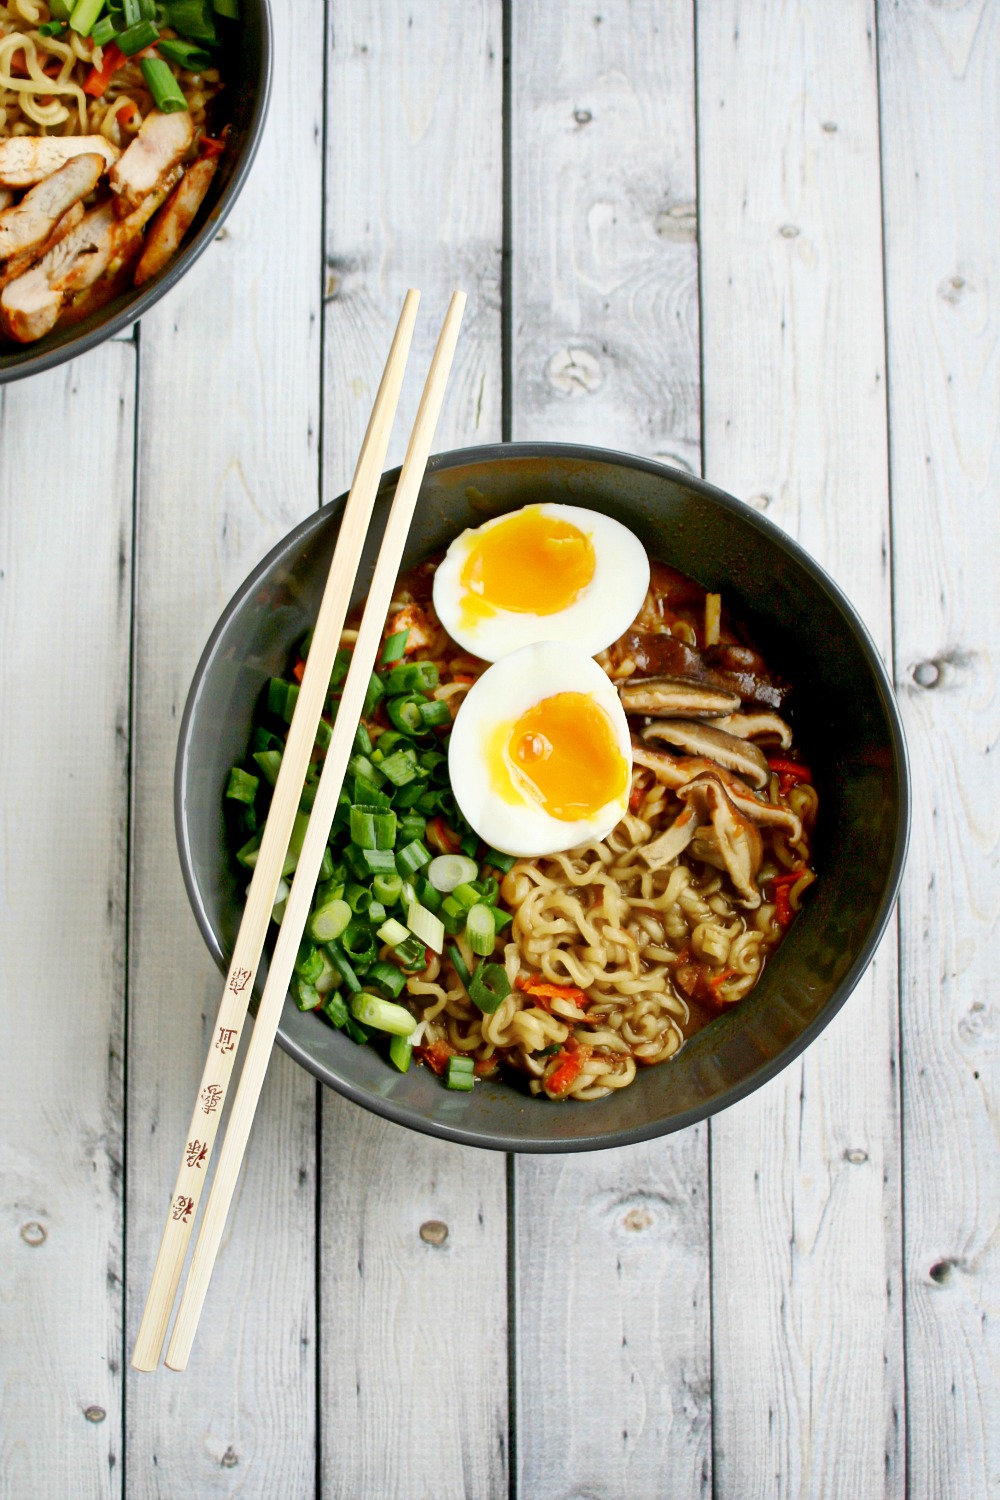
[(29, 224), (732, 753), (159, 146), (675, 695), (676, 771), (754, 726), (738, 844), (673, 841), (27, 159)]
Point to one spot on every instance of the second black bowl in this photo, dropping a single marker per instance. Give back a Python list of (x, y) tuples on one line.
[(846, 721)]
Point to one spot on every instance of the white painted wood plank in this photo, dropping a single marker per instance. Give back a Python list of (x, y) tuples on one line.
[(940, 123), (229, 391), (65, 602), (613, 1358), (805, 1194), (413, 1335), (604, 262)]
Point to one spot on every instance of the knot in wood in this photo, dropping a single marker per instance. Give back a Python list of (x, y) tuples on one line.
[(679, 222), (927, 674), (230, 1458), (434, 1232), (759, 502), (574, 372), (94, 1413), (789, 231), (33, 1233), (856, 1156), (582, 116), (637, 1219)]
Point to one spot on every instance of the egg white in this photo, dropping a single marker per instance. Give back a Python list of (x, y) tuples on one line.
[(504, 692), (598, 616)]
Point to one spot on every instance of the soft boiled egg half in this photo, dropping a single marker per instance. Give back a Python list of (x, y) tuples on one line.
[(540, 757), (543, 573)]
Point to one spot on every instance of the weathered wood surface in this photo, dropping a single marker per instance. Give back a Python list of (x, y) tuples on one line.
[(682, 1327), (64, 710), (806, 1304), (612, 1250), (413, 1359), (243, 326), (940, 118)]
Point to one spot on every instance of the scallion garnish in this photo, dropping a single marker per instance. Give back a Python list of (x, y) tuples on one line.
[(329, 921), (400, 1053), (411, 858), (84, 16), (427, 927), (242, 786), (387, 977), (135, 38), (392, 932), (461, 1074), (383, 1015), (395, 646), (489, 987), (170, 100), (459, 964), (480, 931), (388, 887), (450, 870)]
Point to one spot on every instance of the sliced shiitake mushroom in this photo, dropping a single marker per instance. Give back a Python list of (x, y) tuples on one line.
[(732, 753), (757, 726), (674, 695), (677, 770), (735, 843)]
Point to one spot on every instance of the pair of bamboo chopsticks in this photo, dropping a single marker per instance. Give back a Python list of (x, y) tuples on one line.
[(277, 831)]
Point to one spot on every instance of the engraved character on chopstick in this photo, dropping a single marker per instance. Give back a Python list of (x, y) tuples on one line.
[(210, 1098), (226, 1039), (195, 1153), (183, 1207), (239, 981)]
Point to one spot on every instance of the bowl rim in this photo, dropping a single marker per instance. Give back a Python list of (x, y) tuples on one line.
[(36, 364), (771, 1067)]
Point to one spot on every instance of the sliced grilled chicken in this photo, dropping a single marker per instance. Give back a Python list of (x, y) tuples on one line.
[(18, 264), (99, 245), (175, 218), (27, 159), (29, 224), (6, 198), (159, 146)]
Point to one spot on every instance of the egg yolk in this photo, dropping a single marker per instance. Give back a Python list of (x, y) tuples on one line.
[(530, 563), (563, 755)]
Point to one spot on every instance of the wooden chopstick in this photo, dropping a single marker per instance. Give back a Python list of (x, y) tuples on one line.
[(321, 818), (271, 855)]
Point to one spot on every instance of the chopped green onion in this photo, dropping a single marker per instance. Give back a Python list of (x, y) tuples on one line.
[(132, 12), (376, 913), (435, 714), (60, 10), (263, 739), (329, 921), (385, 830), (411, 858), (280, 897), (411, 826), (329, 979), (343, 967), (362, 741), (411, 954), (308, 962), (461, 1062), (466, 894), (480, 932), (192, 18), (340, 668), (242, 786), (415, 676), (305, 995), (429, 928), (428, 896), (360, 765), (459, 964), (357, 1032), (326, 865), (500, 917), (502, 862), (392, 932), (387, 977), (84, 16), (358, 898), (335, 1007), (400, 1053), (489, 988), (372, 1010), (295, 842), (450, 870), (324, 734), (363, 827), (380, 861), (376, 691), (135, 38), (358, 941), (277, 688), (367, 794), (460, 1077), (489, 890), (388, 887), (356, 862), (307, 796), (395, 646), (469, 845), (408, 796), (247, 856), (228, 8), (56, 28), (170, 100), (269, 762), (453, 908), (405, 713), (400, 767)]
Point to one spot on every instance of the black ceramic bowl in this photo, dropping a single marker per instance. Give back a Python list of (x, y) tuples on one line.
[(845, 719), (246, 64)]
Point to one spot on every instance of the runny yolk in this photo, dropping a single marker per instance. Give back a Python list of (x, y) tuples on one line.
[(563, 755), (530, 563)]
